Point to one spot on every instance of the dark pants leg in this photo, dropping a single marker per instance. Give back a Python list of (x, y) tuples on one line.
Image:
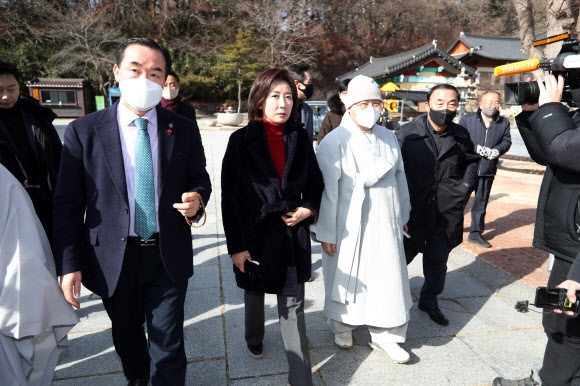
[(562, 355), (146, 293), (165, 315), (435, 257), (292, 327), (479, 205), (254, 315)]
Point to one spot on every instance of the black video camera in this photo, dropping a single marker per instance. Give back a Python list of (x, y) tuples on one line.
[(567, 64), (555, 298)]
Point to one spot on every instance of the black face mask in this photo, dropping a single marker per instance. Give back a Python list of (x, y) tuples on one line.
[(442, 117), (308, 90)]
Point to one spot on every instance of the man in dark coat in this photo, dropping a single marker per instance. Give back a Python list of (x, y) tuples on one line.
[(336, 110), (552, 138), (303, 81), (29, 144), (332, 118), (133, 178), (172, 100), (441, 170), (490, 134)]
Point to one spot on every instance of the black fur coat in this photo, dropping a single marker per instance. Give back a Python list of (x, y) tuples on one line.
[(254, 199)]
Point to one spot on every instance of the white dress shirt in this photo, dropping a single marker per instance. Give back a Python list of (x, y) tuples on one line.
[(128, 133)]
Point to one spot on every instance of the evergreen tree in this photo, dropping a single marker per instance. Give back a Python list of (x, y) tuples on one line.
[(240, 63)]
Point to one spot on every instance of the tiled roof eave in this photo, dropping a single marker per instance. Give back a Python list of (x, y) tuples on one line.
[(410, 61), (513, 59), (435, 50), (57, 83), (54, 85)]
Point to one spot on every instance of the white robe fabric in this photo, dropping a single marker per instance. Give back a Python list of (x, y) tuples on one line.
[(364, 207), (34, 316)]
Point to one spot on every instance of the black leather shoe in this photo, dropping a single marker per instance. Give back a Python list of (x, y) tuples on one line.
[(139, 382), (479, 241), (529, 381), (256, 352), (435, 314)]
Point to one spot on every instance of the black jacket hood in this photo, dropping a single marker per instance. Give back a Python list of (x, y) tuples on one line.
[(335, 104)]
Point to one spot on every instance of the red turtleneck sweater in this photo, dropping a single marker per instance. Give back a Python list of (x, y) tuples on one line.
[(275, 137)]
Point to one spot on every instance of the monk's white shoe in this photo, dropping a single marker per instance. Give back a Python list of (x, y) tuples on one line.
[(343, 339), (393, 351)]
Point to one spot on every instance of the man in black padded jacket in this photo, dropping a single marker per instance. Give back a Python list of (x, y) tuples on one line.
[(552, 137)]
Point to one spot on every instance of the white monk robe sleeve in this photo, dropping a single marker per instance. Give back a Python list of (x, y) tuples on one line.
[(34, 316), (329, 161)]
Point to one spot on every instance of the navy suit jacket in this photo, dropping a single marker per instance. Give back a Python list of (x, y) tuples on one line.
[(91, 208)]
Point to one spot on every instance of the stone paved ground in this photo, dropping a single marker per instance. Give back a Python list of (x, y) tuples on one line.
[(510, 223), (486, 336)]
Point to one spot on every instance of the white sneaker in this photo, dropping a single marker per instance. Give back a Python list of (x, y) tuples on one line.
[(343, 339), (393, 351)]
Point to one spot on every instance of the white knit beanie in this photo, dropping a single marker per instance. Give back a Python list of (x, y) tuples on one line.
[(361, 88)]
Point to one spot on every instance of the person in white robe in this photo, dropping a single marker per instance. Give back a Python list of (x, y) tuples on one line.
[(34, 316), (363, 214)]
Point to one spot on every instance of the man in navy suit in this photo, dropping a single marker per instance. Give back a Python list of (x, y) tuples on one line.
[(140, 278)]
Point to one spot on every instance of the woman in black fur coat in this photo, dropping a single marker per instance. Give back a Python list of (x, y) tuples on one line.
[(271, 191)]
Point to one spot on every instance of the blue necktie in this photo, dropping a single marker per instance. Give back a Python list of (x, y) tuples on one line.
[(145, 223)]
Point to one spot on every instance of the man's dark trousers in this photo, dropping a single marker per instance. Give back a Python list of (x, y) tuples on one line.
[(146, 293), (479, 205), (435, 257), (562, 356)]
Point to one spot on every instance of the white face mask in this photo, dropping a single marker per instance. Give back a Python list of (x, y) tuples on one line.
[(141, 94), (367, 117), (170, 93)]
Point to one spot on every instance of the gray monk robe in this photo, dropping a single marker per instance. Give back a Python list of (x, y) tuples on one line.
[(34, 316), (364, 207)]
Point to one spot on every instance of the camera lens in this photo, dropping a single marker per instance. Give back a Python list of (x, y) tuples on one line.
[(517, 93), (530, 92)]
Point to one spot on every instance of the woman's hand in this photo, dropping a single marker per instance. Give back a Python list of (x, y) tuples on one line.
[(240, 258), (328, 248), (294, 217)]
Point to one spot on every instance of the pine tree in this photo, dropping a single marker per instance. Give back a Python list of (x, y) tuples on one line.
[(240, 61)]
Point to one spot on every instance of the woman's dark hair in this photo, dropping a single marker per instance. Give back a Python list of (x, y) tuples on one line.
[(343, 85), (261, 88)]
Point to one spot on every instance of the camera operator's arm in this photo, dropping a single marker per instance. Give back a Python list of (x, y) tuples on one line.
[(574, 273), (530, 141), (553, 127)]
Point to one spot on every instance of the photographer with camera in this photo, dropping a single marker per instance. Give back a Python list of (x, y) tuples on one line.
[(552, 137)]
